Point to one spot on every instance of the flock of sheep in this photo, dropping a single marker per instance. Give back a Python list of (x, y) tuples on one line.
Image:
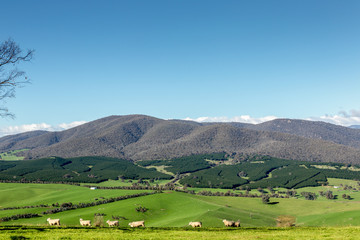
[(87, 223), (226, 223)]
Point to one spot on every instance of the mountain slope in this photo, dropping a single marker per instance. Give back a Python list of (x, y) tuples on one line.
[(311, 129), (103, 137), (219, 138), (140, 137), (19, 141)]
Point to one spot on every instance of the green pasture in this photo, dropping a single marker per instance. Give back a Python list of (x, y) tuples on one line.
[(52, 233), (174, 209), (11, 155), (18, 194), (338, 181)]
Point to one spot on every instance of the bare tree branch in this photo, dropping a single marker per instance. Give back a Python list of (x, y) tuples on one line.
[(10, 77)]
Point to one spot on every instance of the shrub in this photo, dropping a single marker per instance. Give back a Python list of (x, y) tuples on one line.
[(308, 195), (285, 221), (141, 209), (99, 219), (265, 199)]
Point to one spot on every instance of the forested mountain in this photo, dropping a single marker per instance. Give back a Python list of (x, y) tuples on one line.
[(311, 129), (140, 137)]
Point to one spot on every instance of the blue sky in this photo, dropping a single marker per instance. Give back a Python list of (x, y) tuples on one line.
[(219, 60)]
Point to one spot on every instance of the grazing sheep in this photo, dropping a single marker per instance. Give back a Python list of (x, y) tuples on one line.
[(85, 222), (237, 223), (137, 224), (53, 221), (228, 223), (195, 224), (112, 223)]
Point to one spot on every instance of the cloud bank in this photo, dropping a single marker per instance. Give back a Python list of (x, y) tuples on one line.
[(243, 119), (38, 126), (342, 118)]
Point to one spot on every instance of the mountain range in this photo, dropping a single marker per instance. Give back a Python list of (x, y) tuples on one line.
[(140, 137)]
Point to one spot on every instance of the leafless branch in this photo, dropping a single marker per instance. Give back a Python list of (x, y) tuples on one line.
[(10, 77)]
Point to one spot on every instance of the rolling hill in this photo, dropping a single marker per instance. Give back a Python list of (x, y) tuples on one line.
[(140, 137)]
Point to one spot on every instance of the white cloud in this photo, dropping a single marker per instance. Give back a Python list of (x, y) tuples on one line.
[(342, 118), (243, 119), (71, 125), (337, 119), (10, 130)]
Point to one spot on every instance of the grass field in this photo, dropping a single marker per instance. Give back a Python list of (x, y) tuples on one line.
[(11, 155), (17, 194), (179, 233), (175, 209)]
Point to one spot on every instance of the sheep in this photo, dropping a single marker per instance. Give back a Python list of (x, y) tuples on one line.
[(53, 221), (195, 224), (228, 223), (237, 223), (85, 222), (112, 223), (137, 224)]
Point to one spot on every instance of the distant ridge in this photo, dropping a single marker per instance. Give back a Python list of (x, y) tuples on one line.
[(312, 129), (141, 137)]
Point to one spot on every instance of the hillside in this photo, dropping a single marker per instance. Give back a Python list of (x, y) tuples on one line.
[(140, 137), (17, 141), (173, 209), (310, 129)]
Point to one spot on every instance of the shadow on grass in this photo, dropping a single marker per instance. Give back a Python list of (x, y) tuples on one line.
[(18, 237)]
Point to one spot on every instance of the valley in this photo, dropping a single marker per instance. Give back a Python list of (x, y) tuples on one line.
[(170, 173)]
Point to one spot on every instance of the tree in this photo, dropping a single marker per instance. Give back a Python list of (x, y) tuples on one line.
[(308, 195), (329, 195), (265, 199), (10, 77)]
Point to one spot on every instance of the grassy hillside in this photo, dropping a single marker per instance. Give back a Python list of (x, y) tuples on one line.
[(176, 209), (11, 155), (17, 194)]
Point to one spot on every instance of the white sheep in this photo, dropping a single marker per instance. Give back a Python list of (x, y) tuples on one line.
[(237, 223), (85, 222), (137, 224), (112, 223), (195, 224), (53, 221), (228, 223)]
